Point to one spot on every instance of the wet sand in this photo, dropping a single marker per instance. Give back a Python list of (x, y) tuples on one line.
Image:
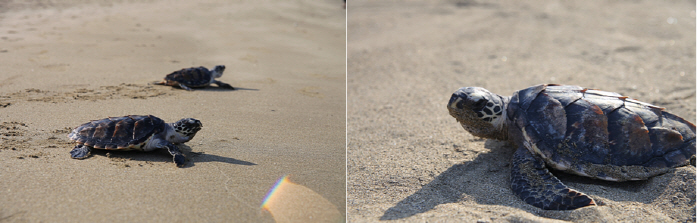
[(67, 63), (409, 160)]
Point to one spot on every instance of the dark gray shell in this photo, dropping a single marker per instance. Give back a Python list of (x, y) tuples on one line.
[(191, 77), (118, 133), (577, 130)]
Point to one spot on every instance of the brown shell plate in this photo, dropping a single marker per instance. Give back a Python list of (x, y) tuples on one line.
[(118, 133), (191, 77), (570, 124)]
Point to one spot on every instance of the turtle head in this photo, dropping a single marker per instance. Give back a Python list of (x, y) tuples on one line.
[(187, 127), (218, 71), (479, 111)]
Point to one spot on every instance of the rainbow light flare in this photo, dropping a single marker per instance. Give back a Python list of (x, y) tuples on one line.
[(290, 202), (266, 202)]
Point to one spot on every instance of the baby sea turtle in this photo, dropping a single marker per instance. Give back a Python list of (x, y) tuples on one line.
[(134, 132), (587, 132), (195, 77)]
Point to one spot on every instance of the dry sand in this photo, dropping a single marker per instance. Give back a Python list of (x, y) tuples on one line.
[(408, 160), (67, 62)]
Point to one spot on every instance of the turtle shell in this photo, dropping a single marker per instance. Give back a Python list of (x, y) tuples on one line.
[(191, 77), (118, 133), (578, 130)]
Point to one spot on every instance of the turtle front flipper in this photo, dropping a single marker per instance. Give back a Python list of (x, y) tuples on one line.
[(178, 158), (80, 152), (224, 85), (534, 184)]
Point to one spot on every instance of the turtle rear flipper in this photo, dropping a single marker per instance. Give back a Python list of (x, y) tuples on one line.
[(534, 184), (80, 152), (183, 86), (158, 83)]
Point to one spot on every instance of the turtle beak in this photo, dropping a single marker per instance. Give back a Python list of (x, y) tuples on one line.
[(196, 122), (457, 100)]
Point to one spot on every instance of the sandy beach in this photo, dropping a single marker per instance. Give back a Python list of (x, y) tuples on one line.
[(64, 64), (410, 161)]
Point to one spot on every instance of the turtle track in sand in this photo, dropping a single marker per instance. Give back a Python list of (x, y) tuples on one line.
[(122, 91), (20, 138)]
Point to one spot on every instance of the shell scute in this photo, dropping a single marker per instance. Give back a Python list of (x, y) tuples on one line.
[(586, 132), (547, 116), (629, 138), (143, 129), (566, 94), (650, 115), (526, 96), (664, 140), (679, 124), (123, 131)]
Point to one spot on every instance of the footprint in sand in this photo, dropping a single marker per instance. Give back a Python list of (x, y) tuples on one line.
[(311, 92), (13, 129), (12, 135), (250, 58), (57, 66), (31, 143)]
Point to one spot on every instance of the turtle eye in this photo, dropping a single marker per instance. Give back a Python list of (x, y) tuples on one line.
[(480, 104)]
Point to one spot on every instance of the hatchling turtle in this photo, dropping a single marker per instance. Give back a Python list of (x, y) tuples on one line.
[(134, 132), (195, 77), (591, 133)]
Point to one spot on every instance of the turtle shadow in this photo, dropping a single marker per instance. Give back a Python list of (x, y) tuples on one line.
[(212, 88), (452, 184), (162, 155), (159, 155), (207, 88), (200, 157), (486, 180)]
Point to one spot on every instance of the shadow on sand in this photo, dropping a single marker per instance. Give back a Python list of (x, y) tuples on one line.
[(162, 155), (468, 179), (213, 88), (199, 157)]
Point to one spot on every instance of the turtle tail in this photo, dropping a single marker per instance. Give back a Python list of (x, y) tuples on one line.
[(534, 184)]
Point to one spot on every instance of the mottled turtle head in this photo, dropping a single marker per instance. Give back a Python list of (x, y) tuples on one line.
[(218, 71), (187, 127), (479, 111)]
